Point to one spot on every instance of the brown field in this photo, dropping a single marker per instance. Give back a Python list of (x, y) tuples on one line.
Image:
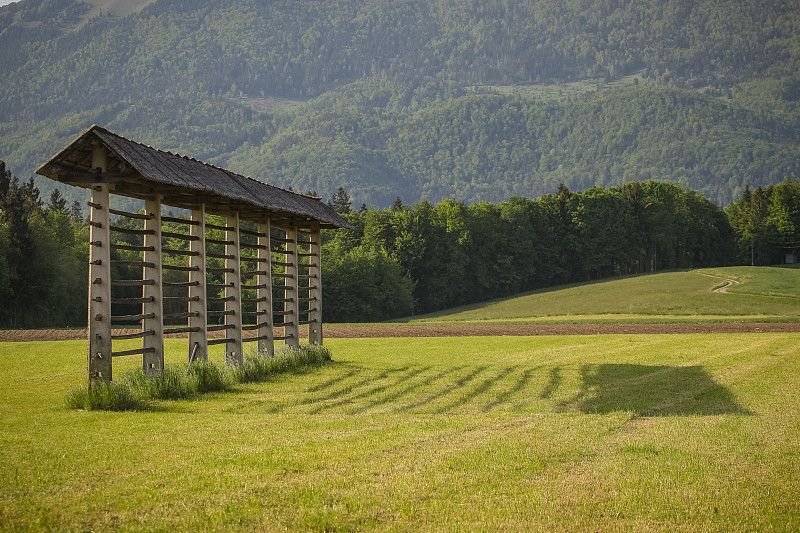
[(395, 330)]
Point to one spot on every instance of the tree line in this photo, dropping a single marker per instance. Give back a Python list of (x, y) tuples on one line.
[(426, 257), (421, 258)]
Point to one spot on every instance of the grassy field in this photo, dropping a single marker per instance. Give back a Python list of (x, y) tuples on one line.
[(598, 433), (762, 294)]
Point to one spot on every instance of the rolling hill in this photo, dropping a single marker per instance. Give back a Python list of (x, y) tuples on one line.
[(759, 294)]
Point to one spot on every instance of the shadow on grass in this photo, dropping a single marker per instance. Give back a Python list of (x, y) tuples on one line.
[(651, 391)]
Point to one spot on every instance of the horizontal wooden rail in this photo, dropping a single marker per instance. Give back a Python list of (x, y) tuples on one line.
[(167, 331), (180, 236), (181, 283), (217, 241), (252, 246), (221, 256), (221, 228), (132, 282), (256, 326), (146, 299), (260, 286), (182, 298), (137, 335), (221, 270), (220, 313), (180, 268), (252, 339), (252, 233), (212, 342), (172, 251), (221, 327), (186, 314), (143, 264), (140, 216), (135, 351), (133, 248), (125, 318), (254, 300), (181, 221), (225, 299), (254, 273), (131, 231)]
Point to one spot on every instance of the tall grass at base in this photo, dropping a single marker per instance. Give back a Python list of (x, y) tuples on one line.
[(258, 368), (104, 396), (136, 390)]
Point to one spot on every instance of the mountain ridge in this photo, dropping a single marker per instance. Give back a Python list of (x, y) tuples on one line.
[(221, 82)]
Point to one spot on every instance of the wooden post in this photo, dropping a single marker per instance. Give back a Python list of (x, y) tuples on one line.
[(153, 344), (291, 307), (233, 290), (198, 338), (315, 287), (99, 326), (266, 341)]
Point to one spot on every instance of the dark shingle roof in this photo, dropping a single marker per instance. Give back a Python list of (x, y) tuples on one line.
[(139, 171)]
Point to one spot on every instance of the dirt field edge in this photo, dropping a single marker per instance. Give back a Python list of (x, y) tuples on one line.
[(355, 332)]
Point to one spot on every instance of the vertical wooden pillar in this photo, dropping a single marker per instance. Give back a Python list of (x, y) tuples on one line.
[(315, 287), (153, 344), (99, 326), (291, 307), (233, 294), (198, 317), (266, 341)]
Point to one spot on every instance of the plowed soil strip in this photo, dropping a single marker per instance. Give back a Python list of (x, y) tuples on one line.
[(480, 330)]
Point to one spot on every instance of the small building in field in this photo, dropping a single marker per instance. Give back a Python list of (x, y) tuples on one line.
[(262, 245)]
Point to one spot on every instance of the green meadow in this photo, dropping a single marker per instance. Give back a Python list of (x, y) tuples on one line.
[(760, 294), (578, 433)]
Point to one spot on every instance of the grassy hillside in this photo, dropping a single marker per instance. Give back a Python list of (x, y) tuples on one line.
[(647, 433), (762, 294)]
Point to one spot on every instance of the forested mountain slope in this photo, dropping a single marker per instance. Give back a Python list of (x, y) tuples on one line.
[(476, 100)]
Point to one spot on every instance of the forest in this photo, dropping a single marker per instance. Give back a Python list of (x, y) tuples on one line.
[(474, 101), (412, 259)]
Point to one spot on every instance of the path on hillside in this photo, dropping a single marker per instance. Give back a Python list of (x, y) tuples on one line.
[(727, 283), (463, 330)]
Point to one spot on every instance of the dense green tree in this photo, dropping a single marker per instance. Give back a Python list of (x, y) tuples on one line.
[(765, 223)]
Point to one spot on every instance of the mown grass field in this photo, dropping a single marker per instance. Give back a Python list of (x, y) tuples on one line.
[(762, 294), (579, 433)]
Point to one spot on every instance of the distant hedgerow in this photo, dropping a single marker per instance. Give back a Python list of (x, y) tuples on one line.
[(136, 390)]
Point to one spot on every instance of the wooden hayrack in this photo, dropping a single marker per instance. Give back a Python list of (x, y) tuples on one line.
[(286, 235)]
